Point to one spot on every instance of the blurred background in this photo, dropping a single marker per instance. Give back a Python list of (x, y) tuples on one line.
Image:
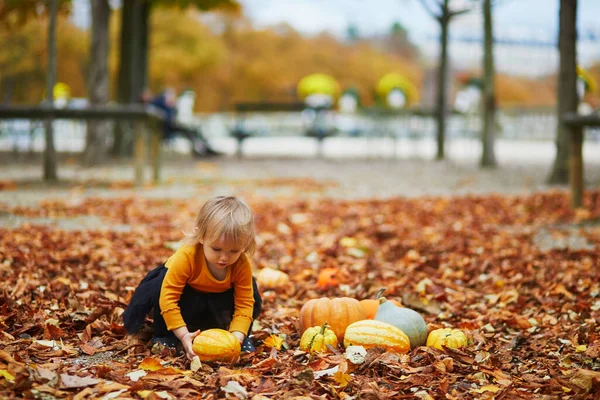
[(340, 78)]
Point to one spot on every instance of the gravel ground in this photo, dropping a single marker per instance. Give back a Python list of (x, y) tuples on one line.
[(350, 179)]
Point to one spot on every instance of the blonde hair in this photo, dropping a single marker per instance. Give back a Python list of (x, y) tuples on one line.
[(227, 217)]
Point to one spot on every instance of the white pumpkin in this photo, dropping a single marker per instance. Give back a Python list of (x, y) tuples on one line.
[(409, 321), (269, 278)]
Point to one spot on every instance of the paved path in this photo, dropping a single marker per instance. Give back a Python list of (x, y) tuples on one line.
[(269, 170)]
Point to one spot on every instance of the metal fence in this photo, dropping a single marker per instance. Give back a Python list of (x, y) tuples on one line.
[(25, 136)]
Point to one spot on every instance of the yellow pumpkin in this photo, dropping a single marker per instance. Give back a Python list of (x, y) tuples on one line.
[(269, 278), (448, 337), (338, 312), (317, 338), (216, 345), (371, 333)]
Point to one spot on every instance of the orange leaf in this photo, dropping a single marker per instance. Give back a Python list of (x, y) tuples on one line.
[(275, 341), (341, 378), (150, 364), (87, 349)]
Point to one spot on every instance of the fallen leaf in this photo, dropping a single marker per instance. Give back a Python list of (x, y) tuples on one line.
[(275, 341), (487, 388), (150, 364), (341, 378), (73, 381), (423, 395), (7, 375), (136, 375), (235, 389), (196, 364)]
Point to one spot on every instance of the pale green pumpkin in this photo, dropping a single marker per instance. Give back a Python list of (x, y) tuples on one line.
[(409, 321)]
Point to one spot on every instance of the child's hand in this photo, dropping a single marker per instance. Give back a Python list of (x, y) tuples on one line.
[(187, 340), (239, 336)]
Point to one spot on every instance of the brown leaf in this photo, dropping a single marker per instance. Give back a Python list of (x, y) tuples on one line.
[(73, 381), (584, 379)]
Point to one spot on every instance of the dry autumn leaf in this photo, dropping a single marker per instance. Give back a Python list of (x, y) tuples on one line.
[(471, 262), (274, 341)]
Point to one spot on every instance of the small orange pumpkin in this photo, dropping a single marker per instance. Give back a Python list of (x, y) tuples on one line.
[(216, 345), (327, 278), (337, 312), (372, 305), (269, 278), (371, 333)]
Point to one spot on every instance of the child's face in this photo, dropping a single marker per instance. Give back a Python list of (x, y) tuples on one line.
[(221, 253)]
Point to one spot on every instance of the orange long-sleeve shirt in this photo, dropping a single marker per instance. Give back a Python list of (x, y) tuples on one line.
[(187, 266)]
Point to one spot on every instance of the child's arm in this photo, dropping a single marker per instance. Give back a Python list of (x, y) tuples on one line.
[(243, 296), (187, 340), (179, 270), (178, 273)]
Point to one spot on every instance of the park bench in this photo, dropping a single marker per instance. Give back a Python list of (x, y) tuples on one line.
[(146, 120), (575, 124), (241, 132)]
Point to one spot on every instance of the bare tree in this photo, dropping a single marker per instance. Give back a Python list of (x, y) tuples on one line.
[(50, 168), (441, 11), (488, 134), (567, 86)]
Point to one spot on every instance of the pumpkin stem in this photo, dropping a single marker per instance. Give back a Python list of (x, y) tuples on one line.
[(380, 293), (312, 340), (322, 332), (382, 300)]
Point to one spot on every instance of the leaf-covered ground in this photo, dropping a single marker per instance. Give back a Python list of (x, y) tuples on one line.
[(467, 262)]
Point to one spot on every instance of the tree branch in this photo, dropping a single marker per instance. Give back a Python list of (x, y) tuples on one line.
[(429, 10), (452, 14)]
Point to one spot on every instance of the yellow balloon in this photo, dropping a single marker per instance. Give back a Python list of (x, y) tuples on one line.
[(394, 80), (61, 91), (318, 84)]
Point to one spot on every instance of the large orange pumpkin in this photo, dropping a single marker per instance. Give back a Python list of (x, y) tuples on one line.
[(371, 333), (337, 312), (216, 345)]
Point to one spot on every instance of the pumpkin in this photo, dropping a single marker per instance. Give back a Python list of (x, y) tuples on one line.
[(338, 312), (327, 278), (270, 278), (371, 333), (216, 345), (371, 305), (447, 337), (317, 338), (409, 321)]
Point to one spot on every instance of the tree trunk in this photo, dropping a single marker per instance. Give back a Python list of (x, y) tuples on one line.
[(124, 75), (567, 87), (133, 64), (97, 131), (441, 104), (488, 157), (50, 169), (144, 39)]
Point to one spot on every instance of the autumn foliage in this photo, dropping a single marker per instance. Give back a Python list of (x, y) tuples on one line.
[(225, 60), (474, 263)]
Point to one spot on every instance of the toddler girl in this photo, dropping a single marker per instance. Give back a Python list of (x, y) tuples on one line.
[(207, 283)]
